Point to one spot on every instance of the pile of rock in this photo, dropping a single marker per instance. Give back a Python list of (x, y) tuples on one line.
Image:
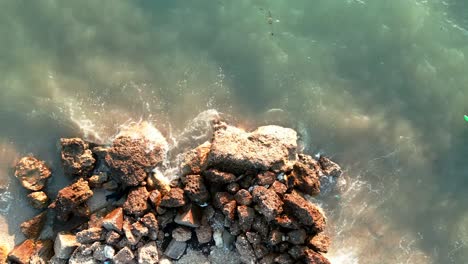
[(248, 192)]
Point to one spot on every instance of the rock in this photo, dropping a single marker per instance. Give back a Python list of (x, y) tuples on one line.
[(253, 238), (32, 173), (38, 199), (305, 179), (268, 258), (109, 252), (155, 198), (319, 242), (98, 253), (129, 159), (137, 202), (82, 210), (190, 217), (260, 250), (204, 234), (270, 204), (261, 226), (195, 189), (3, 254), (139, 230), (287, 222), (181, 234), (166, 218), (23, 252), (304, 211), (297, 252), (229, 210), (70, 198), (246, 217), (89, 235), (149, 220), (77, 158), (64, 245), (79, 257), (194, 161), (218, 238), (233, 187), (124, 256), (175, 249), (112, 238), (329, 167), (279, 188), (148, 254), (236, 151), (266, 178), (312, 257), (245, 250), (243, 197), (44, 250), (110, 185), (132, 238), (219, 177), (284, 259), (96, 181), (33, 227), (175, 198), (276, 237), (113, 220), (157, 181), (297, 237), (221, 198)]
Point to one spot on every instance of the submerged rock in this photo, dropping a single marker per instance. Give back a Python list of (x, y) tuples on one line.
[(32, 173), (77, 158), (33, 227), (70, 198), (38, 199)]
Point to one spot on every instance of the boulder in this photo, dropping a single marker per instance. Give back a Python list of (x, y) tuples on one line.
[(113, 220), (32, 173), (175, 249), (236, 151), (64, 245), (181, 234), (137, 201), (319, 242), (33, 227), (148, 254), (245, 250), (269, 203), (194, 161), (219, 177), (77, 158), (175, 198), (195, 189), (38, 199), (304, 211), (70, 198), (124, 256)]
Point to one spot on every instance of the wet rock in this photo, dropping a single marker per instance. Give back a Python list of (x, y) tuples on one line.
[(195, 189), (275, 237), (236, 151), (312, 257), (304, 211), (319, 242), (305, 179), (33, 227), (245, 250), (204, 234), (219, 177), (77, 158), (148, 254), (130, 159), (70, 198), (329, 167), (38, 199), (113, 220), (270, 204), (279, 188), (246, 217), (190, 217), (32, 173), (64, 245), (155, 198), (175, 198), (181, 234), (175, 249), (44, 250), (23, 252), (194, 161), (112, 238), (229, 210), (137, 201), (221, 198), (297, 237), (124, 256), (233, 187), (89, 235), (243, 197), (266, 178), (97, 180)]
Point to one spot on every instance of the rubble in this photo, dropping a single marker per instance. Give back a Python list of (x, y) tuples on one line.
[(32, 173)]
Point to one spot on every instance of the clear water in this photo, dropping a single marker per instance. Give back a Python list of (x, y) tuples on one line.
[(379, 85)]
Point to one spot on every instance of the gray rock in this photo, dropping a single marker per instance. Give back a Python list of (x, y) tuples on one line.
[(114, 220), (79, 258), (175, 249), (181, 234), (204, 234), (124, 256), (89, 235), (245, 250), (64, 245), (148, 254)]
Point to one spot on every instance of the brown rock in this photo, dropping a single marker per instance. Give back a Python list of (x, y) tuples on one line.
[(70, 198), (175, 249), (243, 197), (305, 179), (38, 200), (23, 252), (124, 256), (33, 227), (245, 250), (132, 238), (270, 204), (89, 235), (190, 216), (82, 210), (221, 198), (112, 238), (275, 237), (148, 254), (114, 220), (96, 181), (204, 234), (229, 210), (77, 158), (175, 198), (139, 230), (304, 211), (312, 257), (150, 221), (181, 234), (155, 198), (286, 221), (246, 217), (319, 242), (219, 177), (297, 237), (279, 188), (194, 161), (64, 245), (329, 167), (137, 201), (44, 250), (233, 187), (32, 173), (284, 259), (195, 189), (266, 178)]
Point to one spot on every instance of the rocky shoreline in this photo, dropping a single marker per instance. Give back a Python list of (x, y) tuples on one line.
[(244, 192)]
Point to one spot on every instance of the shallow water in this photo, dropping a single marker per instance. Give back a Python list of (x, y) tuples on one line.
[(378, 85)]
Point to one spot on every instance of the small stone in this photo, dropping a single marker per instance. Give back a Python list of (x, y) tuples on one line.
[(245, 250), (229, 210), (112, 238), (155, 198), (44, 250), (305, 179), (77, 158), (148, 254), (97, 180), (261, 226), (175, 198), (279, 188), (38, 199), (194, 161), (64, 245), (304, 211), (286, 221), (266, 178), (182, 234), (219, 177), (167, 218), (175, 249), (204, 234), (221, 198), (149, 220), (218, 238), (88, 236), (109, 252), (32, 173), (137, 201), (23, 252), (233, 187), (329, 167), (190, 217), (284, 259), (70, 198), (139, 230), (268, 258), (195, 189), (269, 202), (82, 210), (246, 217), (114, 220), (131, 237), (98, 253), (275, 237), (124, 256), (319, 242), (157, 181), (312, 257), (297, 252), (78, 257), (33, 227), (253, 238), (243, 197), (260, 250), (297, 237), (284, 246)]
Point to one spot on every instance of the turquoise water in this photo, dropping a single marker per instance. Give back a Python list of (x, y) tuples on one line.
[(381, 86)]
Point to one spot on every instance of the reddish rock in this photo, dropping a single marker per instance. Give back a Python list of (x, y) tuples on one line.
[(312, 257), (195, 189), (275, 237), (190, 216), (112, 238), (89, 235), (304, 211), (246, 217), (124, 256), (23, 252), (219, 177), (139, 230), (297, 237), (243, 197), (319, 242), (70, 198), (155, 198), (245, 250), (287, 221), (77, 158), (305, 179), (44, 250), (204, 234), (181, 234), (175, 198), (38, 199), (32, 173), (229, 210), (137, 201), (329, 167), (266, 178), (150, 221), (33, 227), (270, 204), (194, 161), (113, 220), (129, 159), (233, 187), (221, 198), (132, 238), (279, 188)]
